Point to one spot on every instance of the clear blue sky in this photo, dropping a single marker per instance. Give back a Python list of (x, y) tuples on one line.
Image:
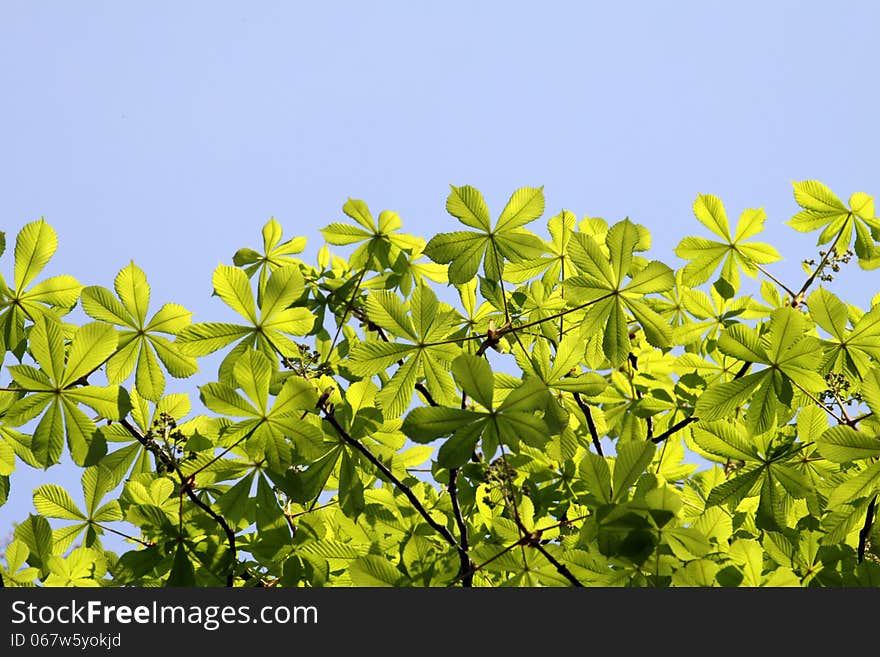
[(169, 132)]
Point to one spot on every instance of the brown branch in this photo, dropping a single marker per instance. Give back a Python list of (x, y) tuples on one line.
[(634, 363), (466, 565), (591, 425), (385, 470), (560, 567), (187, 485), (866, 529), (800, 295), (678, 426)]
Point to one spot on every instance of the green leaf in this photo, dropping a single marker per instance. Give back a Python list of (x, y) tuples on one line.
[(733, 490), (34, 247), (396, 395), (456, 451), (721, 400), (110, 402), (170, 318), (722, 439), (47, 346), (182, 572), (588, 258), (525, 205), (709, 211), (657, 330), (134, 291), (358, 210), (374, 570), (594, 471), (207, 337), (843, 444), (462, 250), (177, 364), (474, 376), (813, 195), (61, 291), (284, 286), (253, 372), (342, 234), (372, 357), (149, 379), (36, 533), (859, 486), (871, 390), (616, 344), (622, 239), (271, 524), (92, 344), (223, 399), (48, 438), (654, 277), (30, 378), (425, 424), (385, 309), (828, 312), (632, 459), (53, 501), (468, 206), (530, 396), (99, 303), (231, 284), (295, 395)]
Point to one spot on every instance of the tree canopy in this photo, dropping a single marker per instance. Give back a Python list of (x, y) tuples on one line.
[(496, 405)]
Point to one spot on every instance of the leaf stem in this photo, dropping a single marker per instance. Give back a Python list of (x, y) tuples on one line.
[(800, 295), (784, 287)]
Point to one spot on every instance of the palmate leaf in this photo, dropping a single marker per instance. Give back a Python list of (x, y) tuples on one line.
[(90, 346), (852, 351), (139, 342), (732, 254), (821, 208), (463, 251), (429, 325), (380, 245), (267, 431), (275, 253), (514, 420), (602, 288), (792, 358), (35, 245), (267, 328)]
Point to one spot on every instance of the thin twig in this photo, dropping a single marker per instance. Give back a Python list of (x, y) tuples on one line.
[(591, 425), (866, 529), (466, 565), (187, 484), (634, 363), (678, 426), (775, 280), (384, 469), (821, 265)]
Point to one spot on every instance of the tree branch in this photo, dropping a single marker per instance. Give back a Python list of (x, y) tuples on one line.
[(678, 426), (591, 425), (866, 529), (466, 565), (187, 485), (385, 470)]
